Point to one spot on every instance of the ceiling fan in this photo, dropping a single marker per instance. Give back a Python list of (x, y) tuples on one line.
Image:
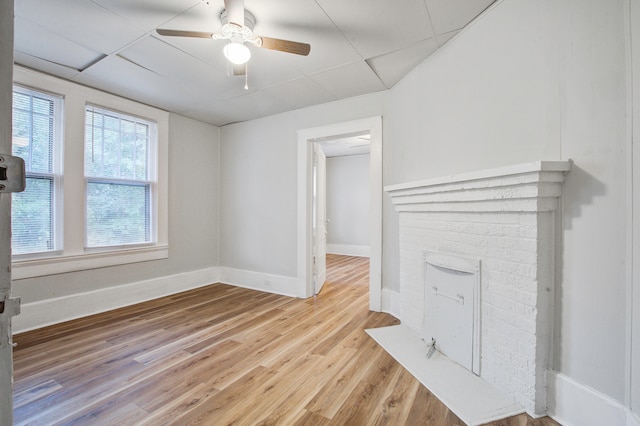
[(237, 28)]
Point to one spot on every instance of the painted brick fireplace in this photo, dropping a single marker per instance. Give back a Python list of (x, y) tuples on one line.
[(504, 219)]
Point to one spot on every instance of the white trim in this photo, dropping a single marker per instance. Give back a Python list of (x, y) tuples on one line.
[(572, 403), (63, 264), (633, 218), (629, 243), (53, 311), (392, 303), (348, 250), (512, 170), (270, 283), (373, 125)]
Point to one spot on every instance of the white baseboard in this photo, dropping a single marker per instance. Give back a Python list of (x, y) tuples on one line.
[(573, 404), (348, 250), (279, 284), (392, 303), (53, 311)]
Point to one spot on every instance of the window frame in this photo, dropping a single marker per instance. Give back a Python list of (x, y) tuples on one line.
[(74, 256), (150, 181), (56, 175)]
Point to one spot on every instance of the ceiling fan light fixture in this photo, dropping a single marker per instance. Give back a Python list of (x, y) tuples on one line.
[(237, 53)]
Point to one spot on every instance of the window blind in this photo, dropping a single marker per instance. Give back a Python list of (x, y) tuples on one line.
[(35, 220), (120, 178)]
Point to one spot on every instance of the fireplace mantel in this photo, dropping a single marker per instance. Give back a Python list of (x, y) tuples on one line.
[(530, 187), (504, 218)]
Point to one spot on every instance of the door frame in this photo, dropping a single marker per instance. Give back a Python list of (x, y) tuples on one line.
[(319, 206), (306, 137)]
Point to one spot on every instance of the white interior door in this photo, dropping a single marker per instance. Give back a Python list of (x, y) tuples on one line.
[(319, 218), (8, 306)]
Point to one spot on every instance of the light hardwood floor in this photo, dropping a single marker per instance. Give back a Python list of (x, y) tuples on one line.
[(225, 355)]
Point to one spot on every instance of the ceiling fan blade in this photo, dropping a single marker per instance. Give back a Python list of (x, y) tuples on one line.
[(284, 45), (180, 33), (235, 11)]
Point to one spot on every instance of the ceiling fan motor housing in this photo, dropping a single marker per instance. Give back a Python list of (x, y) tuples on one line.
[(229, 30)]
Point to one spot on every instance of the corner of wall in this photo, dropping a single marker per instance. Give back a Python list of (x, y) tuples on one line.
[(392, 303)]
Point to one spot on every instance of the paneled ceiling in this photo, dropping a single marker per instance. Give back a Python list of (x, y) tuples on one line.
[(357, 47)]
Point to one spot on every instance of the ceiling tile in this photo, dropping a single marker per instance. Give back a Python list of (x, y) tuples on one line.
[(170, 62), (37, 42), (444, 38), (213, 111), (349, 80), (141, 84), (392, 67), (82, 21), (301, 93), (258, 103), (29, 61), (148, 14), (375, 27), (451, 15)]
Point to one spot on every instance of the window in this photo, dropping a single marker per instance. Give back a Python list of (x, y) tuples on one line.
[(120, 171), (114, 181), (36, 219)]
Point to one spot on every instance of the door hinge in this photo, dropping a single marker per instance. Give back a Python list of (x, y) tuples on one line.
[(12, 176)]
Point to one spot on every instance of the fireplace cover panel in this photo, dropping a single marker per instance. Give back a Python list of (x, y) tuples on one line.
[(451, 307)]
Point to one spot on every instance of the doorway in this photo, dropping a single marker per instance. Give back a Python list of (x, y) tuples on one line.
[(307, 140)]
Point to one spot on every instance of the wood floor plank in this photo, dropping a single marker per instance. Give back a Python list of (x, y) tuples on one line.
[(328, 400), (396, 400), (226, 400), (227, 355)]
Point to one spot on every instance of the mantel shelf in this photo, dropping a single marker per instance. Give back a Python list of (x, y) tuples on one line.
[(532, 186)]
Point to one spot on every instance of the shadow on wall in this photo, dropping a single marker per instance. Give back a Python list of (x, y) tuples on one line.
[(580, 189)]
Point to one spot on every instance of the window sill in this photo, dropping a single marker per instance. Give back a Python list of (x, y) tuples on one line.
[(63, 264)]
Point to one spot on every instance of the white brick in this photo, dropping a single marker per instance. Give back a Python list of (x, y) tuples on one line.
[(501, 218)]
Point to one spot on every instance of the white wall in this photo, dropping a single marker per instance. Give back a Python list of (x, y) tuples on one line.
[(259, 183), (348, 204), (591, 298)]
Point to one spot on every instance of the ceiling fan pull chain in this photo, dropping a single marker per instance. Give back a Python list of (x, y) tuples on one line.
[(246, 76)]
